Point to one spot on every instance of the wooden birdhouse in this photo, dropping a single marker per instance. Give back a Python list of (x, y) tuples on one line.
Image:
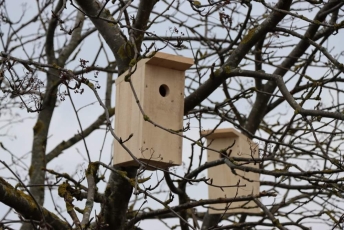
[(236, 145), (159, 84)]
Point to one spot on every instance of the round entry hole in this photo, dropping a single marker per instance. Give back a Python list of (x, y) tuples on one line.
[(164, 90)]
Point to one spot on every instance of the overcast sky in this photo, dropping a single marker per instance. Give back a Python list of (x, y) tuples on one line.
[(64, 125)]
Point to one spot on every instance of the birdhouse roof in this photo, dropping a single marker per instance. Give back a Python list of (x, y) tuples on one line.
[(221, 133), (171, 61)]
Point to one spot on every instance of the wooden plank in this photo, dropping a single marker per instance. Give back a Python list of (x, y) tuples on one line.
[(171, 61), (220, 133)]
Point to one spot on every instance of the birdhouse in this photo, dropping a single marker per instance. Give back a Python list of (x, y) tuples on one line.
[(159, 85), (235, 144)]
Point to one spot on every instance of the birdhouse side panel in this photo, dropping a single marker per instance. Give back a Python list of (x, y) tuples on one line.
[(163, 104), (250, 150), (128, 119)]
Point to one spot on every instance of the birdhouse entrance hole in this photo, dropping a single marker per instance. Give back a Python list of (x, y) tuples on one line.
[(164, 90)]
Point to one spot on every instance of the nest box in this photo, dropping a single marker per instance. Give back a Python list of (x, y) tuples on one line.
[(159, 84), (240, 146)]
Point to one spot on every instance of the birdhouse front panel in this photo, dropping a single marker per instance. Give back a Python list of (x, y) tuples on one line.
[(240, 146), (159, 85), (163, 95)]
